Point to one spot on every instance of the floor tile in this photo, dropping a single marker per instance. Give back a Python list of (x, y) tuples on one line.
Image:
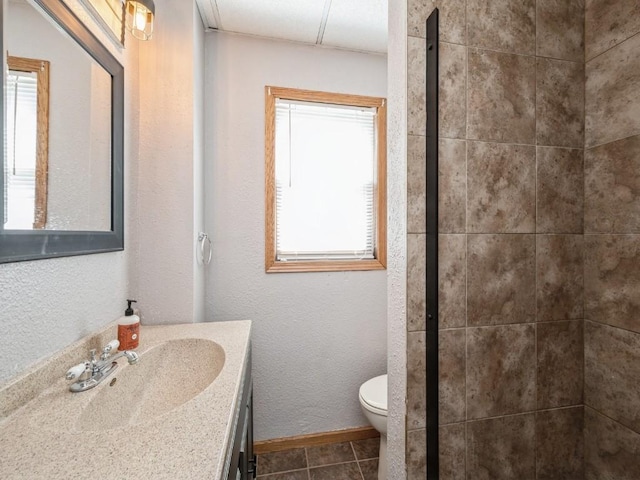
[(369, 469), (295, 475), (367, 448), (329, 454), (284, 461), (342, 471)]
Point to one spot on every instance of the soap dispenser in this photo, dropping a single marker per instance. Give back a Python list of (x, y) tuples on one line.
[(129, 329)]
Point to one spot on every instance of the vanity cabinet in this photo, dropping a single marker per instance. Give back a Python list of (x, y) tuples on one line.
[(242, 461)]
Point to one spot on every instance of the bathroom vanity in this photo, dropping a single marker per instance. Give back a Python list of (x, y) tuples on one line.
[(183, 411)]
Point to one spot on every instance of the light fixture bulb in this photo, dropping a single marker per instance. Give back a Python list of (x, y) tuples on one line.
[(139, 18)]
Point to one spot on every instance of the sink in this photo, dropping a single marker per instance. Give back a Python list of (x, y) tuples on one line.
[(167, 376), (178, 406)]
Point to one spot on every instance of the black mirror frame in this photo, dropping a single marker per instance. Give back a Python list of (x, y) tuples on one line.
[(22, 245)]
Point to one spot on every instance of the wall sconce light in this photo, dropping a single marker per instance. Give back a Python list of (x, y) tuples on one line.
[(139, 18)]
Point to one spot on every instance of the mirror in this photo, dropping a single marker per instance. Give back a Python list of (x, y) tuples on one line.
[(61, 189)]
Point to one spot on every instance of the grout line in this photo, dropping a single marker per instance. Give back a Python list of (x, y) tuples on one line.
[(332, 464), (281, 471), (611, 326), (357, 462), (608, 49), (590, 147), (612, 419)]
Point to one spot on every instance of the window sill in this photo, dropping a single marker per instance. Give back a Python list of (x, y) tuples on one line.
[(317, 266)]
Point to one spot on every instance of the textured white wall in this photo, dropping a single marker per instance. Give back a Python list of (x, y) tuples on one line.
[(397, 213), (316, 336), (167, 281), (46, 305)]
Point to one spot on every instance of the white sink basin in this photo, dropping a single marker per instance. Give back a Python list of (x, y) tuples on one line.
[(166, 376)]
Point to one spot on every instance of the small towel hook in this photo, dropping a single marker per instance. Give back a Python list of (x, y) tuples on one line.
[(203, 240)]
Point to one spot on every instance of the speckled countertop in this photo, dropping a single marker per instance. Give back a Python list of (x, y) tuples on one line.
[(41, 421)]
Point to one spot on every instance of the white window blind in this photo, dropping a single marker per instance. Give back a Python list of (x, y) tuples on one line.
[(20, 149), (325, 178)]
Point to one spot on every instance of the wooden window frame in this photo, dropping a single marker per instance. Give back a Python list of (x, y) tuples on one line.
[(380, 188), (41, 69)]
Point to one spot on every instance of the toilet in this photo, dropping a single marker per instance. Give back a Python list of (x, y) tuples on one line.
[(373, 400)]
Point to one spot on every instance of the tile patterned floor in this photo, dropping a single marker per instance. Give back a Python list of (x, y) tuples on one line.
[(335, 461)]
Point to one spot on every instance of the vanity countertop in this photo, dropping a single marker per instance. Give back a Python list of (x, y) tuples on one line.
[(189, 442)]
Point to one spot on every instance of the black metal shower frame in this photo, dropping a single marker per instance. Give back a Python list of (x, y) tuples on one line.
[(432, 380)]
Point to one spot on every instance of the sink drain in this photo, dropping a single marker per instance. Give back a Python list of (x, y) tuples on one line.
[(112, 382)]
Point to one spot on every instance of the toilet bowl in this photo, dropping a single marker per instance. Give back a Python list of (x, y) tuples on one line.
[(373, 400)]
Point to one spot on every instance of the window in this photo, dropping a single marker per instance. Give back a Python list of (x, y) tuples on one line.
[(26, 145), (325, 179)]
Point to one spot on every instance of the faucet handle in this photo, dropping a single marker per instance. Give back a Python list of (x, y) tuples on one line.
[(75, 372), (112, 345), (108, 348)]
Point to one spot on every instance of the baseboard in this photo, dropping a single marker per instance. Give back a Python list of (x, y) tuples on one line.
[(310, 440)]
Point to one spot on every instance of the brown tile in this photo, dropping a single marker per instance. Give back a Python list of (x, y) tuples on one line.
[(560, 444), (560, 25), (452, 452), (501, 370), (295, 475), (612, 370), (416, 184), (609, 22), (560, 190), (452, 18), (452, 277), (416, 380), (612, 280), (501, 448), (559, 103), (416, 86), (369, 469), (343, 471), (612, 94), (367, 448), (501, 279), (452, 114), (417, 454), (560, 349), (452, 186), (502, 25), (282, 461), (452, 371), (559, 273), (501, 188), (612, 187), (329, 454), (416, 281), (501, 97), (612, 452)]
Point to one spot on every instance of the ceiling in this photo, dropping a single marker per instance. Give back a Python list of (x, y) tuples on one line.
[(351, 24)]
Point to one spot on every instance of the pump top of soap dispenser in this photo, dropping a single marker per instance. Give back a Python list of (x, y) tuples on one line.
[(129, 311)]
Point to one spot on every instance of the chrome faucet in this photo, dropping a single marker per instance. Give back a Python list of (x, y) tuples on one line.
[(94, 370)]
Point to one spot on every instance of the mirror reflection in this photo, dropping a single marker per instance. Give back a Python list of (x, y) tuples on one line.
[(57, 171)]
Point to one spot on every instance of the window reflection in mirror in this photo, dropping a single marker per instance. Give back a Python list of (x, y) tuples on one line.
[(74, 192), (27, 114)]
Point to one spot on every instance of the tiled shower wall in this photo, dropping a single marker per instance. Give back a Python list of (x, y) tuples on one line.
[(511, 243), (612, 240)]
